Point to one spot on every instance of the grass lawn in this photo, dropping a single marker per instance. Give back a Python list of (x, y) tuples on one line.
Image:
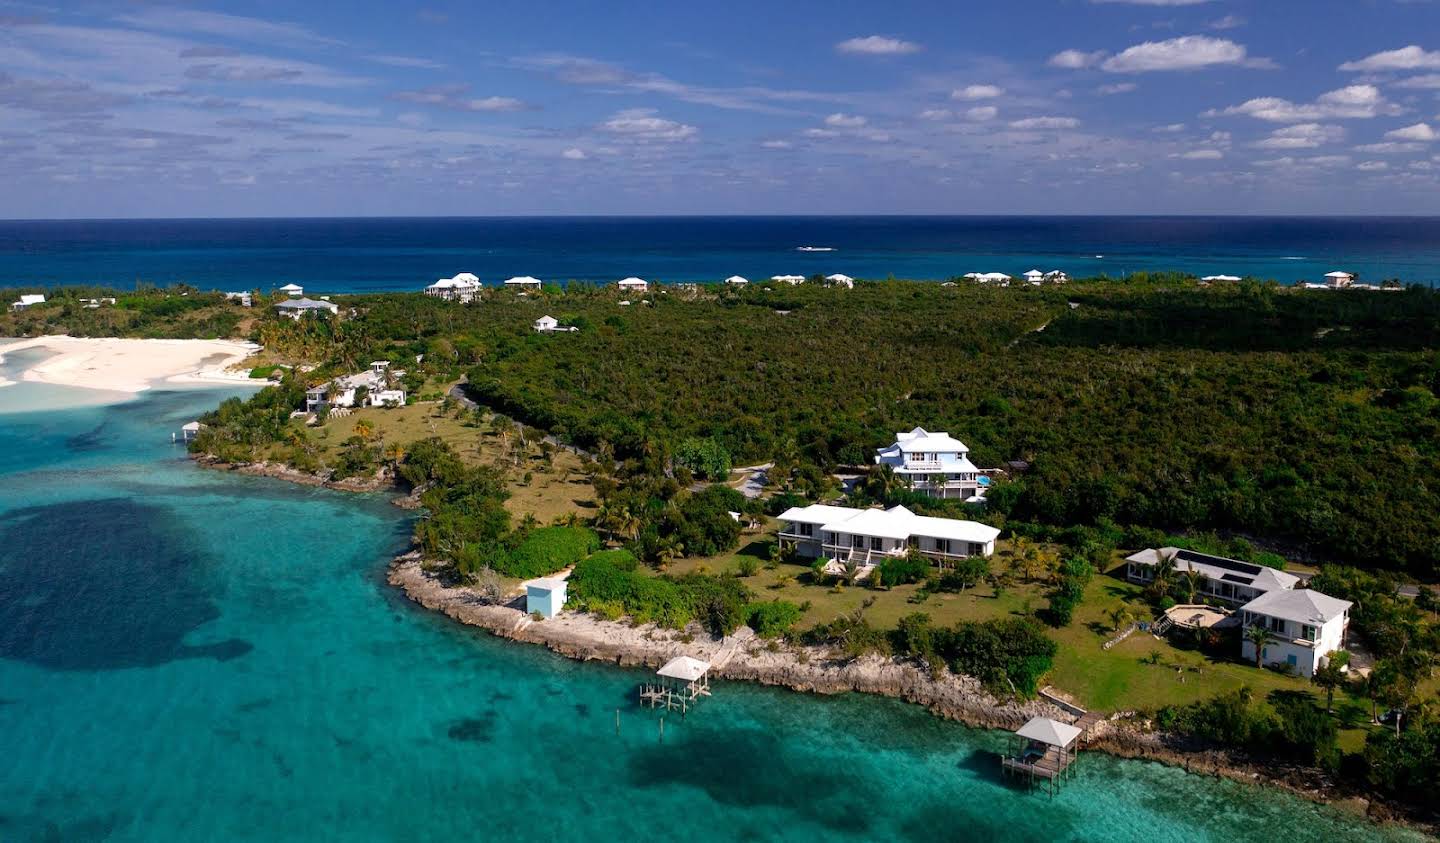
[(552, 491)]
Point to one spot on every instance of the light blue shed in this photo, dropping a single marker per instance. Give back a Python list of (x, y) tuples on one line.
[(545, 595)]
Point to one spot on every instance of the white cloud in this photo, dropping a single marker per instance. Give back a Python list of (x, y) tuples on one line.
[(981, 113), (776, 144), (643, 124), (1428, 81), (171, 19), (936, 114), (845, 121), (1076, 59), (574, 154), (976, 92), (878, 45), (1372, 166), (1389, 148), (1170, 128), (453, 97), (1188, 52), (1405, 58), (1302, 136), (1045, 123), (1200, 155), (407, 61), (1417, 132), (1117, 88), (1352, 102), (1227, 22)]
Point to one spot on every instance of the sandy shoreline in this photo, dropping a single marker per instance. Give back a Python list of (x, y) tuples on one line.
[(131, 366)]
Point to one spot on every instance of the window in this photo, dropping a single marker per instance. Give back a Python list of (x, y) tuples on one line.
[(1307, 632), (1290, 660), (857, 541), (875, 543), (806, 529), (976, 549)]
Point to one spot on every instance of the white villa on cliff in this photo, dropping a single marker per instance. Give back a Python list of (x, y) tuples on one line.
[(1307, 625), (462, 288), (633, 284), (934, 463), (869, 535)]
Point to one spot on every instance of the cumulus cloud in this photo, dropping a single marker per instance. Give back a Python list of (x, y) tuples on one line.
[(1372, 166), (877, 45), (1200, 155), (644, 124), (574, 154), (1170, 128), (456, 98), (776, 144), (1428, 81), (1390, 147), (1188, 52), (1354, 102), (936, 114), (1117, 88), (976, 92), (845, 121), (981, 113), (1405, 58), (1302, 136), (1076, 59), (1417, 132), (1030, 123)]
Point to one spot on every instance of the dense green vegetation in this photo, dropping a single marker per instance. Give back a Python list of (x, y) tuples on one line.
[(178, 312)]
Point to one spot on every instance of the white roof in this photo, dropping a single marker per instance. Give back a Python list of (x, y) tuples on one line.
[(1034, 273), (1301, 605), (632, 281), (684, 668), (546, 320), (1221, 278), (838, 277), (466, 278), (987, 276), (194, 425), (307, 304), (737, 279), (894, 523), (790, 278), (921, 439), (1219, 568), (31, 298), (1049, 732), (523, 280), (1339, 274), (545, 584), (291, 288)]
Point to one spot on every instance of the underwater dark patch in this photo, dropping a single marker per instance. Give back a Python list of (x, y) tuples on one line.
[(751, 768), (473, 729), (102, 585)]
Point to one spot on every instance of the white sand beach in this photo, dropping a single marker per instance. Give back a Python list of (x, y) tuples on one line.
[(134, 365)]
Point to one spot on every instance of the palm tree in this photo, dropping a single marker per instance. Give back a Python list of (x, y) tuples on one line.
[(1331, 675), (1164, 573), (1190, 584), (1261, 638), (1119, 617)]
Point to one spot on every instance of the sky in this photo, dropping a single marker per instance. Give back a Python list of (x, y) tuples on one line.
[(135, 109)]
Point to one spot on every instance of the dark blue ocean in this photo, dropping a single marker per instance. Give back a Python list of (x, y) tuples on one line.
[(360, 255)]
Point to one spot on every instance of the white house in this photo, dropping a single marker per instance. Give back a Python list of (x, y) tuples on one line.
[(549, 324), (1056, 276), (838, 280), (1339, 279), (1229, 278), (245, 299), (633, 283), (1306, 627), (737, 281), (294, 291), (792, 280), (345, 392), (869, 535), (462, 288), (999, 279), (934, 463), (28, 300), (298, 308), (1230, 580), (545, 595), (1034, 276), (522, 282)]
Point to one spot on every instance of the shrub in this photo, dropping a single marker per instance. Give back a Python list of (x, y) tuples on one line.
[(748, 566), (903, 570), (705, 458), (546, 550), (1006, 654), (774, 618)]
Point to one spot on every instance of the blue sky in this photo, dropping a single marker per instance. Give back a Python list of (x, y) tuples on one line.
[(496, 108)]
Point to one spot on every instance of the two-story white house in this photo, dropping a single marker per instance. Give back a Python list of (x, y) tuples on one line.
[(1306, 626), (868, 536), (1229, 580), (462, 288), (934, 463)]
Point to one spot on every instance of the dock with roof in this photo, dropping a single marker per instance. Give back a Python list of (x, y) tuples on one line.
[(1042, 752), (679, 684)]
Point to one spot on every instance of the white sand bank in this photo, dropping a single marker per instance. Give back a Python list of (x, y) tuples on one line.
[(135, 365)]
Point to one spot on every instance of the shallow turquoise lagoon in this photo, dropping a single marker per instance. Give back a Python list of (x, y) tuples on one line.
[(190, 655)]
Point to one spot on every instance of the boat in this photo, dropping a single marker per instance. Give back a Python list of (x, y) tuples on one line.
[(814, 248)]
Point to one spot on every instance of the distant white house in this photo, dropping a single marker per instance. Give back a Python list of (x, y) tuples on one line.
[(1306, 627), (999, 279), (1034, 276), (27, 300), (1230, 580), (294, 291), (1339, 279), (298, 308), (838, 280), (545, 595), (737, 281), (792, 280), (1056, 276), (868, 536), (546, 323), (632, 283), (934, 463), (245, 299), (522, 282), (462, 288), (1224, 278)]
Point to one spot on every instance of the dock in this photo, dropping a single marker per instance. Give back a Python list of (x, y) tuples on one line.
[(680, 684), (1043, 751)]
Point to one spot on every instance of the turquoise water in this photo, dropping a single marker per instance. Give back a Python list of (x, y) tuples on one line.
[(189, 655)]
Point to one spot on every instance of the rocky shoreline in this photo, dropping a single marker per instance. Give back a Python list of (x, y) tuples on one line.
[(744, 657), (382, 480)]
